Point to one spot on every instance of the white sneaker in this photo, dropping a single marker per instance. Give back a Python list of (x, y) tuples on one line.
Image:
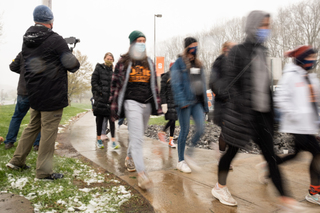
[(313, 198), (183, 167), (223, 195), (144, 182)]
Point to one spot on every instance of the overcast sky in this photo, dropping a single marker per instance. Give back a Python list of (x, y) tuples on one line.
[(104, 25)]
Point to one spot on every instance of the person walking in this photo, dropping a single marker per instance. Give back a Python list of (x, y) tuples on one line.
[(168, 107), (22, 106), (100, 86), (249, 107), (47, 59), (298, 101), (135, 96), (190, 97), (216, 84)]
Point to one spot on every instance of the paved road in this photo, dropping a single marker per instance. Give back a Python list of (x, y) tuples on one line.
[(178, 192)]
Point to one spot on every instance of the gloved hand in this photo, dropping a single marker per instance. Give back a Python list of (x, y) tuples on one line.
[(164, 108)]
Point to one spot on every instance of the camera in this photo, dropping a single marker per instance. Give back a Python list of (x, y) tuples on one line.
[(73, 41)]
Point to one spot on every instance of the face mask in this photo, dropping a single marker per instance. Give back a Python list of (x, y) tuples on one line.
[(108, 63), (193, 48), (308, 64), (138, 51), (262, 35)]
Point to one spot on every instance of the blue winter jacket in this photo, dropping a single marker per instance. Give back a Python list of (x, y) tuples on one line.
[(180, 83)]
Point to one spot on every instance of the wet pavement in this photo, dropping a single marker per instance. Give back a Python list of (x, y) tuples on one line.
[(175, 191)]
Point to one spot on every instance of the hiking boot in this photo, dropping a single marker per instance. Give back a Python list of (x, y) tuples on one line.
[(12, 166), (8, 145), (115, 145), (313, 198), (53, 176), (100, 144), (162, 137), (144, 182), (36, 148), (223, 195), (171, 144), (130, 165), (182, 166)]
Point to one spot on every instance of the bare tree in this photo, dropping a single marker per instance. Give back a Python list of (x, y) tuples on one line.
[(294, 25), (79, 82)]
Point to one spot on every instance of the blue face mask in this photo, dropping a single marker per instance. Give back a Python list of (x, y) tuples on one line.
[(310, 64), (262, 35), (140, 47), (193, 48), (138, 51)]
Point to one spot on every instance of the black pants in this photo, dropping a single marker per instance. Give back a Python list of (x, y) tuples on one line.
[(99, 121), (263, 129), (306, 143), (172, 125)]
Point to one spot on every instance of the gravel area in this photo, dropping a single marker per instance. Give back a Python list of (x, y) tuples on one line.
[(281, 140)]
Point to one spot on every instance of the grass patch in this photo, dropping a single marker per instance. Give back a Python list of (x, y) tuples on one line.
[(65, 195), (98, 192)]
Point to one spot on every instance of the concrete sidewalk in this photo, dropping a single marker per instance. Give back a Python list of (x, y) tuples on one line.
[(174, 191)]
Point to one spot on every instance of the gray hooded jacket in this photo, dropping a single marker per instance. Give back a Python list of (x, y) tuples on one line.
[(260, 72)]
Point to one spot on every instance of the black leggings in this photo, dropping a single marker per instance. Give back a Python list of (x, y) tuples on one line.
[(99, 121), (306, 143), (172, 124), (222, 143), (264, 139)]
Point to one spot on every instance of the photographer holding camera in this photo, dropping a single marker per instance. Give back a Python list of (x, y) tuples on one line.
[(47, 59)]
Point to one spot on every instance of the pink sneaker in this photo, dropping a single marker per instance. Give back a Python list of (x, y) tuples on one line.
[(162, 137)]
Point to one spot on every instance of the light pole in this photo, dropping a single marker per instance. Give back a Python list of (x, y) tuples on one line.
[(155, 16), (48, 3)]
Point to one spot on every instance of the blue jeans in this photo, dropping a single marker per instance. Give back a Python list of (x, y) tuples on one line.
[(197, 112), (20, 111), (120, 122)]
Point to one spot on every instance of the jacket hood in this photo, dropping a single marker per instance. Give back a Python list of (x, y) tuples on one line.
[(254, 20), (35, 36), (291, 67)]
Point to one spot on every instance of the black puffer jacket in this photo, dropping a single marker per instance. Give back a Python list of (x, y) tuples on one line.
[(101, 82), (216, 85), (239, 117), (47, 59), (166, 96)]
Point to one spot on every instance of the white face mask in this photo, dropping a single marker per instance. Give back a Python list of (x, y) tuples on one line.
[(138, 51)]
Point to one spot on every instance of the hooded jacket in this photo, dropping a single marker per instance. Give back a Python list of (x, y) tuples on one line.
[(100, 86), (47, 59), (293, 99), (17, 66), (239, 115)]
